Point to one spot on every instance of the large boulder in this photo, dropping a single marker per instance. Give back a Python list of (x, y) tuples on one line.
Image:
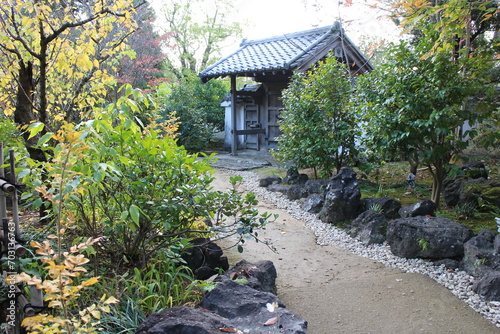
[(266, 181), (294, 177), (475, 170), (389, 206), (313, 203), (462, 190), (204, 258), (246, 309), (316, 186), (296, 192), (277, 188), (260, 275), (427, 237), (342, 198), (422, 208), (182, 320), (488, 286), (369, 227), (480, 254)]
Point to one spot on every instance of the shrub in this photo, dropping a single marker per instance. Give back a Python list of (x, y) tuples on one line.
[(142, 192), (319, 127)]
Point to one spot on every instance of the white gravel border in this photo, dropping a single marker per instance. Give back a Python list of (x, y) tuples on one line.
[(458, 282)]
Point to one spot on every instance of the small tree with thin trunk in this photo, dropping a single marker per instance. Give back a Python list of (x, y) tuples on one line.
[(413, 106)]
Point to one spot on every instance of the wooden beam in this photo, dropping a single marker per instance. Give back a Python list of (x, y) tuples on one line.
[(250, 131), (234, 143)]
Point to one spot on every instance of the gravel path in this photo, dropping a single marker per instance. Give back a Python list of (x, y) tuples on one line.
[(341, 286)]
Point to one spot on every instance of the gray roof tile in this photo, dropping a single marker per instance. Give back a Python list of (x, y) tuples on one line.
[(284, 52)]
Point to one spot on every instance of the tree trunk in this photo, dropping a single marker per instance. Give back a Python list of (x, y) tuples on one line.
[(438, 176), (414, 162), (24, 116), (23, 113)]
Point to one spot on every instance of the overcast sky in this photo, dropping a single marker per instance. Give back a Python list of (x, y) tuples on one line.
[(267, 18)]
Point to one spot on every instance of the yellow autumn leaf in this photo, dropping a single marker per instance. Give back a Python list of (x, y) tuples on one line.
[(90, 281), (111, 300)]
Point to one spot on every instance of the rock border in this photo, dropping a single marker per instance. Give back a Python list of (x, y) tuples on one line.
[(459, 283)]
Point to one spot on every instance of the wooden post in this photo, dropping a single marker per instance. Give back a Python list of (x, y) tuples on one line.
[(234, 144), (3, 203), (15, 207)]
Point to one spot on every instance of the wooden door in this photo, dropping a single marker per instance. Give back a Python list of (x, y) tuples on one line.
[(252, 122), (274, 107)]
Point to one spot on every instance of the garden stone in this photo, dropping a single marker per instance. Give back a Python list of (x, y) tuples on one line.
[(427, 237), (451, 264), (261, 275), (182, 320), (293, 177), (313, 203), (496, 244), (268, 180), (480, 256), (462, 190), (390, 206), (245, 309), (488, 287), (296, 192), (342, 198), (278, 188), (316, 186), (422, 208), (204, 258), (369, 227), (475, 170)]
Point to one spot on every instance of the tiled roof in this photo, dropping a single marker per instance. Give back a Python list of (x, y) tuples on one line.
[(285, 52)]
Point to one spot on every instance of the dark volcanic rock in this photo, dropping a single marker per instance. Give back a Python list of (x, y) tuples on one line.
[(182, 320), (422, 208), (204, 258), (369, 227), (261, 275), (488, 286), (245, 309), (313, 203), (316, 186), (296, 192), (293, 177), (268, 180), (427, 237), (389, 206), (342, 198)]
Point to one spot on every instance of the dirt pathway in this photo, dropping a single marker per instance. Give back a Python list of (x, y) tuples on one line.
[(338, 292)]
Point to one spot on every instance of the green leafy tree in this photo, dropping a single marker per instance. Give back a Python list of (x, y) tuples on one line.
[(52, 52), (198, 107), (413, 106), (319, 127), (197, 29)]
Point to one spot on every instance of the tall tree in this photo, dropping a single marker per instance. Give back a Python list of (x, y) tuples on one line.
[(413, 105), (197, 28), (52, 52), (145, 69)]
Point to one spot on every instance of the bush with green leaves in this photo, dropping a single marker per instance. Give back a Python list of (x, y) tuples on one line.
[(319, 127), (198, 107), (143, 192), (9, 135)]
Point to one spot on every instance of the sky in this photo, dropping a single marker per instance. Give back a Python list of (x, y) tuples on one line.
[(268, 18)]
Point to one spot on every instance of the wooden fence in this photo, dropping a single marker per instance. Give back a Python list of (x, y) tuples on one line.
[(12, 249)]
